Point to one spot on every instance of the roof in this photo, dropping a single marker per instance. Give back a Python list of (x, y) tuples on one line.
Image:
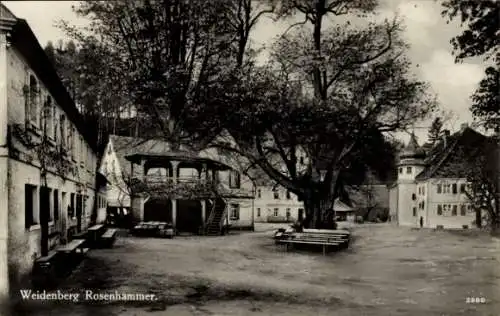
[(455, 151), (24, 40), (133, 147), (340, 206), (412, 149)]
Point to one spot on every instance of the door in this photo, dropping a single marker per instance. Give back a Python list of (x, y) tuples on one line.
[(301, 214), (44, 219), (78, 213)]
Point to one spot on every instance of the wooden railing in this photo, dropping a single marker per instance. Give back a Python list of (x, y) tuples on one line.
[(169, 185)]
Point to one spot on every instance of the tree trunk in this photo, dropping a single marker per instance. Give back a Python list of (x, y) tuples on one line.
[(315, 208), (478, 218)]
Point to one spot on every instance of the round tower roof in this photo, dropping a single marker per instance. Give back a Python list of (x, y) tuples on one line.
[(412, 150)]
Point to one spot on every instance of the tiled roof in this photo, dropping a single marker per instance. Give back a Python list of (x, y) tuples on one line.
[(448, 157)]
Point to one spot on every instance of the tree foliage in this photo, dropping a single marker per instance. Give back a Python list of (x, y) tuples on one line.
[(326, 95), (435, 130), (331, 103), (480, 38)]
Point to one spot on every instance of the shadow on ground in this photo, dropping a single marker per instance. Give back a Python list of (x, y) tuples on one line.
[(386, 271)]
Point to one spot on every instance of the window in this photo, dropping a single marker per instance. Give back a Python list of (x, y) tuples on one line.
[(288, 213), (54, 123), (44, 204), (408, 170), (258, 212), (454, 211), (32, 100), (71, 208), (47, 119), (235, 211), (82, 151), (259, 193), (56, 205), (439, 188), (400, 170), (462, 210), (423, 205), (301, 160), (423, 190), (234, 179), (462, 188), (30, 215), (413, 196), (276, 194), (62, 130), (454, 188), (276, 212), (447, 188), (288, 195), (439, 210), (414, 211)]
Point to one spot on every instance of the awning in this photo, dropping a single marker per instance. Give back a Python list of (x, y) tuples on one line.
[(340, 206)]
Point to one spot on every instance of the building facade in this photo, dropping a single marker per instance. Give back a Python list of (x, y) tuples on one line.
[(431, 188), (193, 190), (277, 205), (49, 188)]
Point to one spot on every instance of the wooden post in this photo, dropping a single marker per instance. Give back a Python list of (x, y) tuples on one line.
[(175, 171), (203, 213), (174, 214)]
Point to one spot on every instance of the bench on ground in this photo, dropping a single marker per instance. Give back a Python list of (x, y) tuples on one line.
[(75, 246), (108, 238), (45, 270), (94, 233), (323, 238), (324, 243)]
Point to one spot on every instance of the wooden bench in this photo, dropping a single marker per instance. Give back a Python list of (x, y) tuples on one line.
[(45, 270), (94, 233), (108, 238), (323, 243), (324, 238)]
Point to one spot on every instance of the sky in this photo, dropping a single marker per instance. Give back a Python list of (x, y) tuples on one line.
[(425, 30)]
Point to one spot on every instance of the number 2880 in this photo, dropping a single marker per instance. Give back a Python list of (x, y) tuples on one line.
[(475, 300)]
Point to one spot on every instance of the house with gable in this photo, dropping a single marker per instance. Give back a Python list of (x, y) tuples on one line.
[(431, 185), (198, 191), (50, 189)]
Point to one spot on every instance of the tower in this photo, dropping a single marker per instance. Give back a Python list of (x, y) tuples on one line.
[(411, 163)]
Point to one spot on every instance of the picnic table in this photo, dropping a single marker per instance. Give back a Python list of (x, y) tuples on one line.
[(94, 233), (75, 246), (321, 237)]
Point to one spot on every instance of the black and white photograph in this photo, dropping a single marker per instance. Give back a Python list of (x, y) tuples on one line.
[(250, 157)]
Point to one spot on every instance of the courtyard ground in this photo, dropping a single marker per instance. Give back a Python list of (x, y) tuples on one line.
[(386, 271)]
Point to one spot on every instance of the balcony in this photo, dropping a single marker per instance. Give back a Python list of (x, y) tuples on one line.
[(185, 188)]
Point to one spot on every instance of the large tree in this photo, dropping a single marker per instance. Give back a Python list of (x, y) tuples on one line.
[(329, 96), (480, 38), (169, 55)]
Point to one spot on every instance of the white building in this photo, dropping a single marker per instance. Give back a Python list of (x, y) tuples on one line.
[(277, 205), (48, 181), (430, 189)]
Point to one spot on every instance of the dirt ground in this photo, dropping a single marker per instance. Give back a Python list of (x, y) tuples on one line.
[(386, 271)]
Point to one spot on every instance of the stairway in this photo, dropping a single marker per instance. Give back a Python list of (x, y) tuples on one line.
[(216, 218)]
